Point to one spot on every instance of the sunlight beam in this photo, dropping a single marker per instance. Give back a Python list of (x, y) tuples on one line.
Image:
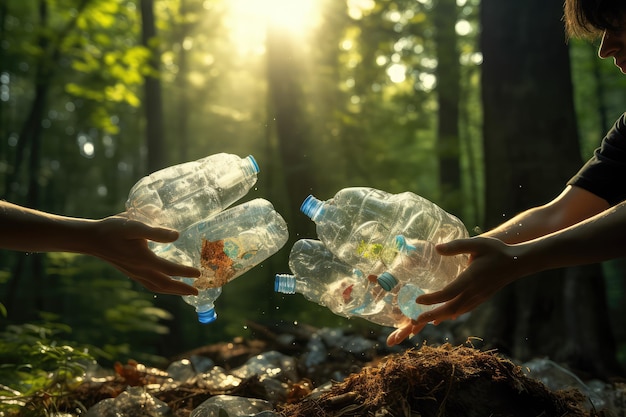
[(250, 19)]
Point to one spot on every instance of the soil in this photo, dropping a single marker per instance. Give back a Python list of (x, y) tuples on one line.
[(439, 382), (429, 381)]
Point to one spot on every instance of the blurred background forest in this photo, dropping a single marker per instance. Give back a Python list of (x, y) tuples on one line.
[(481, 107)]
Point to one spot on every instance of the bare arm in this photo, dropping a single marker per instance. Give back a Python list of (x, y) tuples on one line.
[(117, 240), (573, 205)]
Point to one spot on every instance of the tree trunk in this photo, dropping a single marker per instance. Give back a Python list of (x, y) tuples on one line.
[(29, 145), (153, 102), (448, 92), (287, 114), (182, 112), (155, 142), (531, 149), (4, 120)]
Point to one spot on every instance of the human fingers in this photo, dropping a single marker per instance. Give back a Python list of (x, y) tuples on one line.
[(397, 336), (447, 311), (158, 282), (156, 273), (121, 225), (175, 269), (453, 308), (459, 246), (450, 291), (155, 234)]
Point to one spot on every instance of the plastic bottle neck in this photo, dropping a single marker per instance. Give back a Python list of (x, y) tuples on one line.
[(285, 283), (206, 314), (250, 166), (312, 207)]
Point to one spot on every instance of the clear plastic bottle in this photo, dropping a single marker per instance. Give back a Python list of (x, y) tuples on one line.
[(183, 194), (323, 278), (419, 263), (360, 225), (224, 247), (234, 406), (204, 302)]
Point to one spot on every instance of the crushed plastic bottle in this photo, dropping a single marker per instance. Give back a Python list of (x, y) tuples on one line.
[(224, 247), (204, 302), (218, 379), (557, 377), (232, 406), (323, 278), (271, 363), (181, 370), (419, 263), (135, 401), (183, 194), (419, 269), (373, 230), (274, 371)]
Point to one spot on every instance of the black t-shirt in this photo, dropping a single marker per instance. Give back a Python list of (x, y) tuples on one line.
[(605, 173)]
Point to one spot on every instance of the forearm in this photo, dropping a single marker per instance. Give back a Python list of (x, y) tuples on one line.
[(525, 226), (29, 230), (573, 205), (117, 240), (596, 239)]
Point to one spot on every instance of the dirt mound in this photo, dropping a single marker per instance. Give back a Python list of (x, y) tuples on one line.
[(440, 381)]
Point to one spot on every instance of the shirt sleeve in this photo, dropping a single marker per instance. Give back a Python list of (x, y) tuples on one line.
[(605, 173)]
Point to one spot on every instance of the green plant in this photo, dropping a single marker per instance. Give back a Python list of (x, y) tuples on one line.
[(38, 366)]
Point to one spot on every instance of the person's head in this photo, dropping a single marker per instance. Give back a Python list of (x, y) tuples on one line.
[(599, 18), (590, 18)]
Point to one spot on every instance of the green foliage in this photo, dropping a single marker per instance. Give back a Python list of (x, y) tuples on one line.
[(103, 299), (35, 361)]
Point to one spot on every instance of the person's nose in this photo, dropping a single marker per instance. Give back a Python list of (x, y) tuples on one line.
[(609, 46)]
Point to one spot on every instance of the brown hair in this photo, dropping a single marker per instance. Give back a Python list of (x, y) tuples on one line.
[(589, 18)]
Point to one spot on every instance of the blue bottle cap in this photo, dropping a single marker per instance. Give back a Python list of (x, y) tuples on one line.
[(311, 206), (406, 301), (285, 283), (387, 281), (207, 316), (255, 166)]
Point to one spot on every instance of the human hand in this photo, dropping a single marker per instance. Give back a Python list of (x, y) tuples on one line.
[(124, 244), (492, 265)]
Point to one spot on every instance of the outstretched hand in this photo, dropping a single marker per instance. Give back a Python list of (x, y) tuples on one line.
[(492, 265), (124, 244)]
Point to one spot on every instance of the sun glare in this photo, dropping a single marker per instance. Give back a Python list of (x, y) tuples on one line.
[(250, 19)]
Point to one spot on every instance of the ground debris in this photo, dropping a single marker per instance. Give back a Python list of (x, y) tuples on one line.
[(440, 381), (417, 381)]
